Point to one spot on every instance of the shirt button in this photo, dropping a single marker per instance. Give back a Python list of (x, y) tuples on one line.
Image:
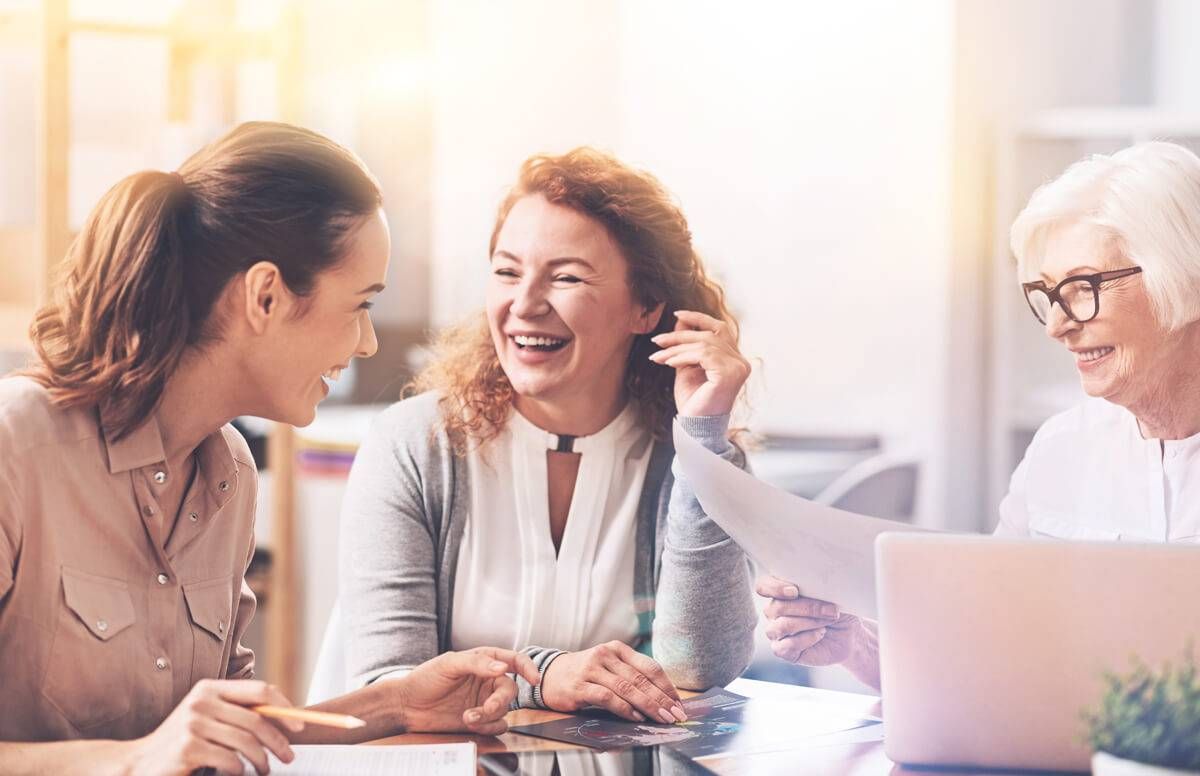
[(162, 579), (147, 510), (193, 517), (161, 664), (102, 625), (160, 477), (224, 486)]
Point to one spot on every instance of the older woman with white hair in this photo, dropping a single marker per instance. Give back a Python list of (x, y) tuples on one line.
[(1109, 256)]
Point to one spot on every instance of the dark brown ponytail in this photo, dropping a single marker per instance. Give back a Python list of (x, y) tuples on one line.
[(139, 283)]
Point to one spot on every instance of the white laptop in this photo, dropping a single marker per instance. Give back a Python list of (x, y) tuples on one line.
[(990, 649)]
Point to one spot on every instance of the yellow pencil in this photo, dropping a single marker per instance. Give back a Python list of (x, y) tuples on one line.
[(344, 721)]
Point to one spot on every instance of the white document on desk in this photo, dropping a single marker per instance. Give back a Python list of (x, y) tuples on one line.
[(412, 760), (828, 553)]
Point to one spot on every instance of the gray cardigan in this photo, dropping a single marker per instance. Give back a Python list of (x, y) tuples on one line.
[(407, 503)]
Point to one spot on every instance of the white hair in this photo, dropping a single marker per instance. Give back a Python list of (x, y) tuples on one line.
[(1147, 197)]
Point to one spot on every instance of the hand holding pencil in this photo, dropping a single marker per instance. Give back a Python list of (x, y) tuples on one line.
[(212, 725)]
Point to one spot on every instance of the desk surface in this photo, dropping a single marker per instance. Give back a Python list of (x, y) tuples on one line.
[(857, 753), (835, 754)]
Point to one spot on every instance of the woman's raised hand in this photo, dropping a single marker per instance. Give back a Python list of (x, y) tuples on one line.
[(709, 369)]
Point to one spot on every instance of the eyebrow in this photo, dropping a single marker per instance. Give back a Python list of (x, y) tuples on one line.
[(552, 262), (372, 289), (1070, 273)]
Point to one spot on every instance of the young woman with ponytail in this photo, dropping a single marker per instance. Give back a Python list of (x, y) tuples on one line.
[(237, 285)]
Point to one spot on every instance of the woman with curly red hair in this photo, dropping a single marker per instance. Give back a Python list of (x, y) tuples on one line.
[(525, 497)]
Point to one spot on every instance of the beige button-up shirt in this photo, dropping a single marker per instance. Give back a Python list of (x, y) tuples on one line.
[(110, 610)]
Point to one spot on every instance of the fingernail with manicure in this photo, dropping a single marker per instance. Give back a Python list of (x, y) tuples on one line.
[(497, 666), (791, 591), (666, 717), (679, 713)]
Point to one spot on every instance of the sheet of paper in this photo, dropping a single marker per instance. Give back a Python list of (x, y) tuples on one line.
[(828, 553), (414, 760)]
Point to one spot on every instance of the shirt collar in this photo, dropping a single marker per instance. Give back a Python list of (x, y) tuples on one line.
[(144, 446), (608, 437), (140, 447)]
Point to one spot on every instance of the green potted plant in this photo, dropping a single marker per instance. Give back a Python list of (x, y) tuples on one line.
[(1148, 722)]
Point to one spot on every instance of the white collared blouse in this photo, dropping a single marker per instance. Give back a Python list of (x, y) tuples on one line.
[(511, 588), (1089, 474)]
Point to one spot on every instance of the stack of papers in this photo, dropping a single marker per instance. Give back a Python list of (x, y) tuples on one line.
[(415, 760)]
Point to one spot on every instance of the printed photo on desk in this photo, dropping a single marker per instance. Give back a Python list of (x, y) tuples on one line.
[(719, 722)]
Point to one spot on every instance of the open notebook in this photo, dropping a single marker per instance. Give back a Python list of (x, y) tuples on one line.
[(414, 760)]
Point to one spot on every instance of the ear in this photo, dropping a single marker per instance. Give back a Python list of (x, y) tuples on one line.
[(265, 295), (648, 320)]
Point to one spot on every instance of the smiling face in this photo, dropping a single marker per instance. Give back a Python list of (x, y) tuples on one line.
[(559, 307), (315, 338), (1123, 354)]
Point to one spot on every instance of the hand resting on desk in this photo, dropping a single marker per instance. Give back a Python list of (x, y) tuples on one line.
[(616, 677), (467, 691), (455, 692)]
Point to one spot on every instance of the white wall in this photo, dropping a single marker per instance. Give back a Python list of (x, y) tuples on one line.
[(808, 144), (810, 151), (1177, 54), (510, 79)]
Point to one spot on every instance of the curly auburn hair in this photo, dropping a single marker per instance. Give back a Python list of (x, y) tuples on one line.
[(653, 235)]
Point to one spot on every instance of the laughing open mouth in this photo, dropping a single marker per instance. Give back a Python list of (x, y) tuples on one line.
[(542, 344)]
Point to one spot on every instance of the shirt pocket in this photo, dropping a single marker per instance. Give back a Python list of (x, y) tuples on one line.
[(1060, 526), (210, 604), (87, 672)]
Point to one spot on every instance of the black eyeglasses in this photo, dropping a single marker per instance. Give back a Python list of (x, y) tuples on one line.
[(1078, 295)]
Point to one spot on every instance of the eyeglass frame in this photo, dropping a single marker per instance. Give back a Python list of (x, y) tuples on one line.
[(1055, 295)]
